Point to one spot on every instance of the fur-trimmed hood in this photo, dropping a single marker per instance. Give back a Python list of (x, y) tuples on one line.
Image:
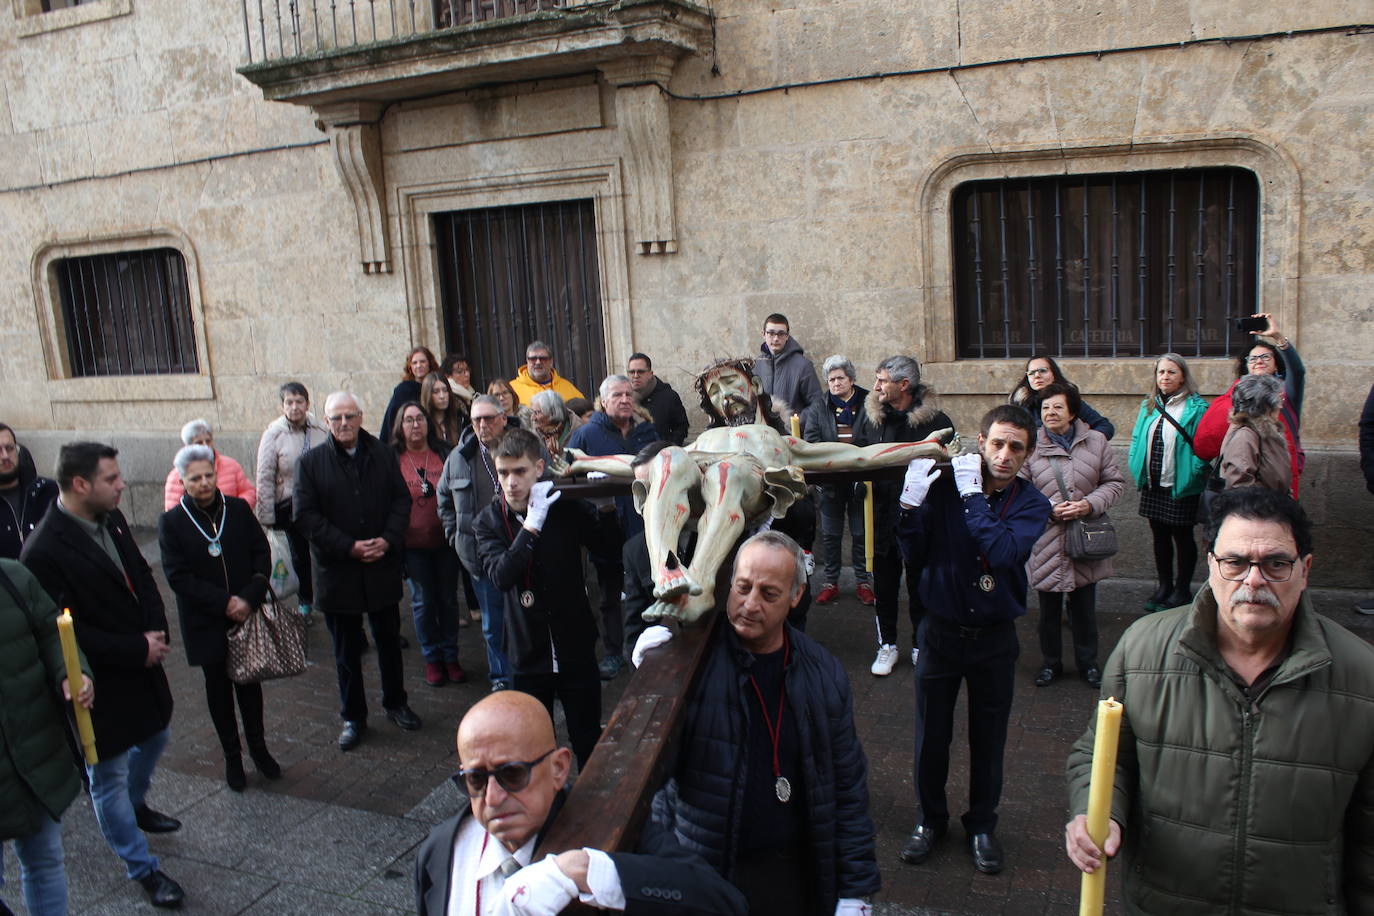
[(923, 410)]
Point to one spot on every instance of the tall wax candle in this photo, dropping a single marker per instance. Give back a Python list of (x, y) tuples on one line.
[(796, 426), (868, 525), (1093, 888), (73, 663)]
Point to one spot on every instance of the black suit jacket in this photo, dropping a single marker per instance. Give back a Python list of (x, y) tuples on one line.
[(133, 701), (664, 881)]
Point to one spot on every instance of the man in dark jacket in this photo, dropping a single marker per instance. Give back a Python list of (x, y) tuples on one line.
[(1244, 775), (899, 409), (513, 774), (530, 542), (770, 785), (616, 429), (783, 369), (659, 398), (37, 778), (353, 506), (971, 532), (24, 496), (85, 558), (839, 416)]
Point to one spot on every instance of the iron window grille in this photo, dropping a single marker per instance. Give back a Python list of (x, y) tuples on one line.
[(1107, 265), (127, 313)]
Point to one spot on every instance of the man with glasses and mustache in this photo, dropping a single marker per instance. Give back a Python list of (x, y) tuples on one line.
[(512, 774), (1245, 775), (538, 374)]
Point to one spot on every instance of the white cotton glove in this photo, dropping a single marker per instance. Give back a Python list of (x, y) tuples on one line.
[(968, 474), (542, 495), (538, 889), (853, 906), (651, 638), (920, 474), (597, 475), (810, 562)]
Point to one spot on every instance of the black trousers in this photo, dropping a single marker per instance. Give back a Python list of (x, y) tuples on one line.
[(220, 693), (347, 632), (887, 580), (610, 582), (1082, 620), (580, 695), (986, 659), (300, 559)]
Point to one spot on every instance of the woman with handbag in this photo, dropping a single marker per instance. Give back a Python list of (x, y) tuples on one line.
[(1170, 476), (216, 560), (1074, 466), (1255, 452)]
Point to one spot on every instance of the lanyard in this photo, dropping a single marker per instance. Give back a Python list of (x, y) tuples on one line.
[(486, 463), (214, 549), (478, 909), (775, 730), (1001, 514)]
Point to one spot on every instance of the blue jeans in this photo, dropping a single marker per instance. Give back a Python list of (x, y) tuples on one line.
[(493, 602), (838, 503), (118, 785), (40, 865), (434, 601)]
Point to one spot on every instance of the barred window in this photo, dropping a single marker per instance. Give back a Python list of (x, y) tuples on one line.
[(1106, 265), (127, 313)]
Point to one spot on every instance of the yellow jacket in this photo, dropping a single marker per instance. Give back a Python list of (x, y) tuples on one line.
[(526, 388)]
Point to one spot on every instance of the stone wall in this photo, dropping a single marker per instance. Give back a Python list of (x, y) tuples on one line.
[(827, 202)]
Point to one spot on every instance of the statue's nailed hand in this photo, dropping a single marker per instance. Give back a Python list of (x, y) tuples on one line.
[(920, 475), (560, 464), (542, 496)]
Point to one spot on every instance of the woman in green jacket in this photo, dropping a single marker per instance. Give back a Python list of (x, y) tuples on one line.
[(1170, 476), (38, 777)]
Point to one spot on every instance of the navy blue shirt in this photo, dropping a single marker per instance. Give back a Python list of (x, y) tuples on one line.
[(956, 541)]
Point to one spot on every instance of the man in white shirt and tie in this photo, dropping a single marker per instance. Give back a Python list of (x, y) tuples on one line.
[(479, 860)]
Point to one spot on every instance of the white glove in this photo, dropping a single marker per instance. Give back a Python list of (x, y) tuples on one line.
[(968, 474), (810, 562), (852, 906), (542, 495), (920, 474), (538, 889), (651, 638), (597, 475)]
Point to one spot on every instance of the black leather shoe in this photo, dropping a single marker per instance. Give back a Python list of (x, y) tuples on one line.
[(921, 844), (404, 717), (150, 821), (1093, 677), (1156, 601), (264, 761), (1046, 676), (162, 891), (1177, 598), (987, 853), (233, 773), (351, 735)]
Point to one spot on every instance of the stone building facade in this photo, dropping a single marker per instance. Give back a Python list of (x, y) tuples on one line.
[(802, 156)]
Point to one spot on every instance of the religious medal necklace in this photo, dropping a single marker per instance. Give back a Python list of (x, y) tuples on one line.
[(421, 474), (781, 786), (526, 593), (986, 582), (214, 549)]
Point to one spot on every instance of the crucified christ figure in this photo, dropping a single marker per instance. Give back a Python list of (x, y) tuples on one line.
[(741, 469)]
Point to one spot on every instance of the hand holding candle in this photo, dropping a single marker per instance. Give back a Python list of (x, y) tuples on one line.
[(1108, 731), (72, 660)]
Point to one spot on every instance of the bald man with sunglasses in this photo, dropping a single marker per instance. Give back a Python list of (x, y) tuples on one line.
[(480, 860)]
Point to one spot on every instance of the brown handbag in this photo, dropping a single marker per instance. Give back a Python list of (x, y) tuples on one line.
[(269, 644)]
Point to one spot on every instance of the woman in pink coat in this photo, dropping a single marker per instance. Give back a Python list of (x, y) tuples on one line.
[(228, 472), (1092, 483)]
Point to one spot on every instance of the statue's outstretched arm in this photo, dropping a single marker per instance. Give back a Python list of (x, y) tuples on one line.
[(839, 456), (614, 465)]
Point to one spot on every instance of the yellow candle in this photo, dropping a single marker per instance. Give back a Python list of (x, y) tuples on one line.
[(796, 426), (868, 525), (73, 662), (1100, 801)]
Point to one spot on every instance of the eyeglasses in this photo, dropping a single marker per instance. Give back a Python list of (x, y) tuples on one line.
[(513, 776), (490, 418), (343, 417), (1036, 373), (538, 359), (774, 333), (412, 421), (636, 371), (1237, 569), (1260, 358)]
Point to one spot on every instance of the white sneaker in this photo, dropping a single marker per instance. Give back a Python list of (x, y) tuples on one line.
[(885, 662), (915, 654)]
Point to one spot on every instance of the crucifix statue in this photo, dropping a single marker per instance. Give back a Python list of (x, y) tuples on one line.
[(743, 468)]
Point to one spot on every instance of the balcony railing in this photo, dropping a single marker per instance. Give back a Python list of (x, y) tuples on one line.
[(275, 30)]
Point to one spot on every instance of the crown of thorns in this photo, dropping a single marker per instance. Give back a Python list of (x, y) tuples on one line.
[(745, 365)]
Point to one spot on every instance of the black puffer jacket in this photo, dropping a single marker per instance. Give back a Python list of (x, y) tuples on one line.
[(37, 494), (918, 422), (702, 801)]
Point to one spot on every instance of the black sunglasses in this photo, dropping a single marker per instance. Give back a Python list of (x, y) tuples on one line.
[(513, 776)]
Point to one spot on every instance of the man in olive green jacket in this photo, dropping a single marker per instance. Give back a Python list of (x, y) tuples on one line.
[(1245, 776), (38, 777)]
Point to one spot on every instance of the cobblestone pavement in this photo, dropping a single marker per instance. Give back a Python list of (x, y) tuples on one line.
[(338, 832)]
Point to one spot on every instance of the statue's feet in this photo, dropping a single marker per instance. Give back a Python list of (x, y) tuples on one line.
[(673, 583), (687, 609)]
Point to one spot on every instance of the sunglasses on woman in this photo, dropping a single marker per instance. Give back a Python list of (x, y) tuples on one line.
[(513, 776)]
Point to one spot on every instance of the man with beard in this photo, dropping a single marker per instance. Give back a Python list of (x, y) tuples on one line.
[(24, 496), (1245, 771), (741, 469)]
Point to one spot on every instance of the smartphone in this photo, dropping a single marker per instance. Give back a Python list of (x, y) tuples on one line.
[(1251, 325)]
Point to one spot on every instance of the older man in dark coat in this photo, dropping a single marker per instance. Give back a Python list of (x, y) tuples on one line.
[(353, 506), (85, 558)]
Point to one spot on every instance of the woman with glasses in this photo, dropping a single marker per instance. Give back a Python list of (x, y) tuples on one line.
[(553, 422), (456, 369), (1041, 372), (1271, 354), (510, 401), (1254, 452), (1170, 476), (431, 565)]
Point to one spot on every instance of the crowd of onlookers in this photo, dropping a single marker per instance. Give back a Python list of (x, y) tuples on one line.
[(452, 493)]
